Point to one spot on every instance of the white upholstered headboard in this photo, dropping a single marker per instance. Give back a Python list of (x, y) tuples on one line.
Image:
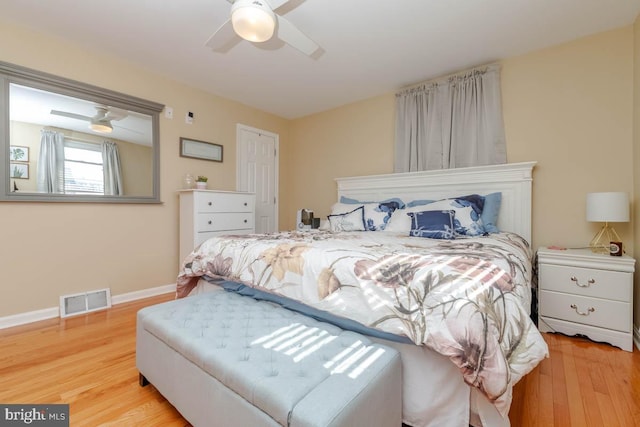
[(514, 180)]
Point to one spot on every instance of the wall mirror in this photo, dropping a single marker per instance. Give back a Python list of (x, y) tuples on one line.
[(67, 141)]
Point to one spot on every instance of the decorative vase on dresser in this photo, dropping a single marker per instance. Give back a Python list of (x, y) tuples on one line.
[(208, 213), (584, 293)]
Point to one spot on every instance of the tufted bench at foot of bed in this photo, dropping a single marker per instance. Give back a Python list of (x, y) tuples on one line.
[(227, 360)]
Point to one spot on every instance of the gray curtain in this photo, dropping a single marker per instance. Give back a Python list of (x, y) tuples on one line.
[(50, 178), (111, 168), (451, 122)]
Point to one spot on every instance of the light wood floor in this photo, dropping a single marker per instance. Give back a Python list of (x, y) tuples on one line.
[(89, 362)]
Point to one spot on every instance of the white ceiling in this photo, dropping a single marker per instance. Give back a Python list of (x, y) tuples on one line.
[(371, 47)]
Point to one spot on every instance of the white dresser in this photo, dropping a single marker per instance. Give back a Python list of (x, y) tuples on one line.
[(207, 213), (585, 293)]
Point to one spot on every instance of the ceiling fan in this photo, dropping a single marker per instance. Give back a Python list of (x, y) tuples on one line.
[(256, 21), (101, 121)]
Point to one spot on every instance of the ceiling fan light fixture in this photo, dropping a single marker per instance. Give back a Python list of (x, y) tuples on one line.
[(102, 126), (253, 20)]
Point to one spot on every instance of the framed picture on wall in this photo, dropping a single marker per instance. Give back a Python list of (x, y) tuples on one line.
[(200, 150), (18, 154), (19, 170)]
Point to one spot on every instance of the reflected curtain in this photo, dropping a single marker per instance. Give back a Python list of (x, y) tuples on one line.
[(51, 162), (451, 122), (112, 169)]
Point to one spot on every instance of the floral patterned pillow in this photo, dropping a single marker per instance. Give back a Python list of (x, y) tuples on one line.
[(348, 221), (433, 224)]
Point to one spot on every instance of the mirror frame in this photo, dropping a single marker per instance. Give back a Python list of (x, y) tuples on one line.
[(10, 73)]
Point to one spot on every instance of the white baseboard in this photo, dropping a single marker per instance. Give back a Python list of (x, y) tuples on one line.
[(49, 313)]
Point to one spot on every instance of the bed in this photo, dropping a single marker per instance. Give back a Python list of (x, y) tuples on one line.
[(456, 305)]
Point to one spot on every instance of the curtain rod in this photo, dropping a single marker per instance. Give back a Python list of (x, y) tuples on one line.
[(491, 65), (71, 138)]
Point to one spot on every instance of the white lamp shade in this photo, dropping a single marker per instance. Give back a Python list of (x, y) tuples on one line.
[(101, 126), (253, 20), (608, 207)]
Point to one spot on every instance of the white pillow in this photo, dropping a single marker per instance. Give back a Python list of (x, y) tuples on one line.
[(348, 221)]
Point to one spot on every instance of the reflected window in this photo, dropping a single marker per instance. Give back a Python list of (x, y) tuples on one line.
[(83, 168)]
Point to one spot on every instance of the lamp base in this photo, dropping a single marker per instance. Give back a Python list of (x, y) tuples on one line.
[(602, 240)]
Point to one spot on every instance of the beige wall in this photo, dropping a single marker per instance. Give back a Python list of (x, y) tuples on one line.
[(353, 140), (50, 249), (570, 108)]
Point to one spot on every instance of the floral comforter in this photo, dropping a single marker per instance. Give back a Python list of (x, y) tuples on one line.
[(467, 299)]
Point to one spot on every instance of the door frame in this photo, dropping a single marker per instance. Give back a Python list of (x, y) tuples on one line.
[(241, 162)]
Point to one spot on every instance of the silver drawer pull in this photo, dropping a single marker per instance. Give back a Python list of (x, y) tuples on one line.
[(582, 313), (589, 282)]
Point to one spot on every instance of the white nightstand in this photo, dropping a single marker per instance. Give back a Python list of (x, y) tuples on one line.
[(585, 293)]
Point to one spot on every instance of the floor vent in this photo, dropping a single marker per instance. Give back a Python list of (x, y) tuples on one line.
[(85, 302)]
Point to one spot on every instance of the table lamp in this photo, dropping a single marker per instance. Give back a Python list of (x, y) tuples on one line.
[(606, 207)]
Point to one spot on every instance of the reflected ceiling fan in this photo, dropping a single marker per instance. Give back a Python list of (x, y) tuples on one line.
[(256, 21), (101, 121)]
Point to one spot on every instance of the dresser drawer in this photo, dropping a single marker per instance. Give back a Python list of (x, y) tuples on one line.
[(608, 314), (221, 202), (223, 221), (613, 285)]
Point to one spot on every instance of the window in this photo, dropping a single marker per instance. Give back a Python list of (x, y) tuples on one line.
[(83, 168)]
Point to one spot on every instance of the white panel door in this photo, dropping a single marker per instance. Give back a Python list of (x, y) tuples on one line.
[(257, 172)]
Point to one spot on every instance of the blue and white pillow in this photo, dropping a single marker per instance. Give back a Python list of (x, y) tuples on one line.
[(433, 224), (348, 221), (490, 212), (468, 221)]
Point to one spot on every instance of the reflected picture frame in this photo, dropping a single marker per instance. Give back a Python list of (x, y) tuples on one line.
[(18, 153), (195, 149), (19, 170)]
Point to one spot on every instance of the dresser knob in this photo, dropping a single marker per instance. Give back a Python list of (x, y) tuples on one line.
[(245, 203), (210, 203), (210, 222), (245, 221), (589, 282), (583, 313)]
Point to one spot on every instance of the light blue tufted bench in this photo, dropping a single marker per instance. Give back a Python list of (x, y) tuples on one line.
[(227, 360)]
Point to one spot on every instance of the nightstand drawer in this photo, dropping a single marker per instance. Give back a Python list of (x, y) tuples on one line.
[(612, 285), (589, 311), (224, 221), (221, 202)]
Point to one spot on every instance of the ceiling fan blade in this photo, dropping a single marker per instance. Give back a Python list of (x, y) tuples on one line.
[(290, 34), (224, 38), (274, 4), (71, 115), (114, 113)]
